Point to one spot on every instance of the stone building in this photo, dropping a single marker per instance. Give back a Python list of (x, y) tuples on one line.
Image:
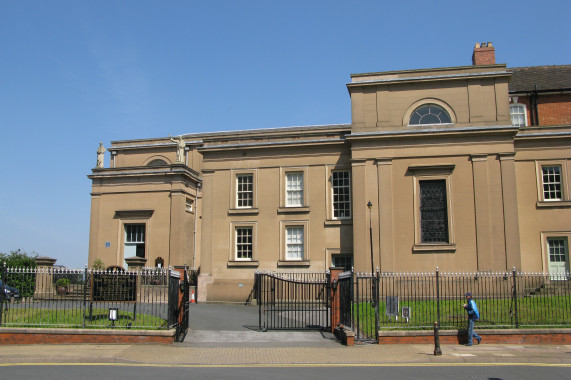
[(464, 168)]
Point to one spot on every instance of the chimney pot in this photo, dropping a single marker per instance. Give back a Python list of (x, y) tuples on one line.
[(484, 54)]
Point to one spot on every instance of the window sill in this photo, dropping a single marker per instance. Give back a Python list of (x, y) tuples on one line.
[(434, 248), (338, 222), (293, 263), (245, 263), (553, 204), (293, 210), (243, 211)]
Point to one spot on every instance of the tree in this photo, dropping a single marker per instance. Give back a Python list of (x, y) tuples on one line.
[(25, 282), (18, 259)]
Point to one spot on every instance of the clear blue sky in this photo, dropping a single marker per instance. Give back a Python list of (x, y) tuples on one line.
[(74, 73)]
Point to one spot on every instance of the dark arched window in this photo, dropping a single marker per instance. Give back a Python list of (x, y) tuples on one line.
[(157, 162), (429, 114)]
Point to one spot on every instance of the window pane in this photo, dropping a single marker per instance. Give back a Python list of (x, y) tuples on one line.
[(134, 240), (557, 250), (244, 243), (294, 243), (342, 261), (433, 212), (551, 176), (294, 189), (517, 113), (341, 185), (134, 233), (429, 114), (244, 190)]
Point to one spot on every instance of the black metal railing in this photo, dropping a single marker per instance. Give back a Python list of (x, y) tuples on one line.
[(62, 297), (372, 302), (505, 299), (292, 301)]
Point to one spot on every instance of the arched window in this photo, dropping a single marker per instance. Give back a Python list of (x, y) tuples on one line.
[(157, 162), (429, 114)]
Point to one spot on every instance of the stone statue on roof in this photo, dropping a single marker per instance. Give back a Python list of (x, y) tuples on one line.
[(100, 155), (180, 144)]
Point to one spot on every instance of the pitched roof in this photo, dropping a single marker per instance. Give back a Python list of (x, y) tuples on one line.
[(545, 77)]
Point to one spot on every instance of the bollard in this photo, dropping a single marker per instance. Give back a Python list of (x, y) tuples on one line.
[(437, 350)]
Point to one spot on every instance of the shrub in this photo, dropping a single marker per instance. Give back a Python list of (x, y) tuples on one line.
[(98, 264), (62, 282), (24, 282), (18, 259)]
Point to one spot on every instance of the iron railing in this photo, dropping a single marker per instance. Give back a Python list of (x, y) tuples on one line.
[(62, 297), (369, 302), (504, 299)]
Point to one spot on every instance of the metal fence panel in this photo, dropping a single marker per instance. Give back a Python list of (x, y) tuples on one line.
[(504, 299), (62, 297)]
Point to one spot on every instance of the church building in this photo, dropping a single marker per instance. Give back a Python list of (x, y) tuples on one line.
[(461, 168)]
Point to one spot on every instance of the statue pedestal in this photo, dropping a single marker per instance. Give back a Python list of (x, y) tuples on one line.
[(44, 278), (135, 263)]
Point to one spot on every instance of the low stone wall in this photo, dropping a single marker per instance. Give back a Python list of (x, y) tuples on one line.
[(10, 335), (497, 336)]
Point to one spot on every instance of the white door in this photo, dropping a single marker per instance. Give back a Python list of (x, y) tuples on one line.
[(557, 249)]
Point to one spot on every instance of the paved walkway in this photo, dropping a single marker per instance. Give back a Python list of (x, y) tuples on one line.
[(223, 325), (178, 354)]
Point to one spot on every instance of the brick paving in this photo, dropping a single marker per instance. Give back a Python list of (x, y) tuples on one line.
[(177, 354)]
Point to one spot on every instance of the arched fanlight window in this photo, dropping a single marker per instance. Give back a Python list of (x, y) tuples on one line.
[(157, 162), (429, 114)]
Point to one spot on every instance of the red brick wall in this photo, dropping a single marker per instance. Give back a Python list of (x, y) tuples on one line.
[(548, 338), (552, 109), (23, 338)]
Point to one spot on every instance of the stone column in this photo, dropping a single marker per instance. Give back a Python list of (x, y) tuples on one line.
[(205, 278), (509, 192), (385, 201), (482, 209), (361, 248), (176, 235), (44, 278)]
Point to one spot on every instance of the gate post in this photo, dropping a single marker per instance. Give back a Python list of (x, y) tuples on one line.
[(183, 302), (334, 297)]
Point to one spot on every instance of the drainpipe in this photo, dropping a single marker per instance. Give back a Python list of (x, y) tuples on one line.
[(535, 108)]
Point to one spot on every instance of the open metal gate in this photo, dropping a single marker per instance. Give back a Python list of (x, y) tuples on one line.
[(179, 302), (359, 306), (293, 301)]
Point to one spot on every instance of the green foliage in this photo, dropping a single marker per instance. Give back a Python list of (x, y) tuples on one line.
[(24, 282), (98, 264), (18, 259), (63, 282)]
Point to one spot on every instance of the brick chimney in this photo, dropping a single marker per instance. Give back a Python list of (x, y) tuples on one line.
[(484, 54)]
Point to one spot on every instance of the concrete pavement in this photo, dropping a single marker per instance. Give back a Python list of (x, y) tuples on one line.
[(277, 354)]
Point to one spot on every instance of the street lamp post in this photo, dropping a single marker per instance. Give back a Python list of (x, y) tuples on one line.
[(370, 206)]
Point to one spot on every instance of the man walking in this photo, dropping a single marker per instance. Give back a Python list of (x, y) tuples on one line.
[(473, 315)]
